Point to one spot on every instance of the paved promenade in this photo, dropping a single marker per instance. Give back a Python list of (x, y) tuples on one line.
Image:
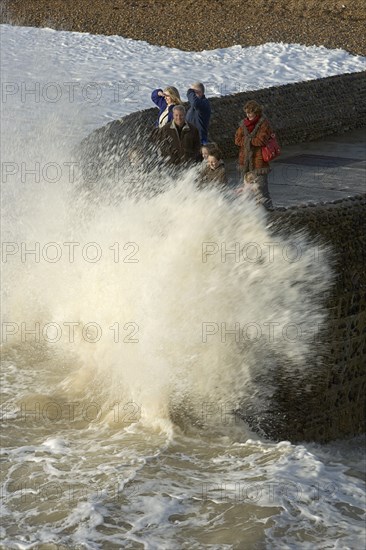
[(319, 171)]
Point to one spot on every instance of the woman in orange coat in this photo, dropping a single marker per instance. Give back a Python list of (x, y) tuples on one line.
[(254, 132)]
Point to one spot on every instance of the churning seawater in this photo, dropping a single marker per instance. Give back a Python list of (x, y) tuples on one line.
[(132, 327)]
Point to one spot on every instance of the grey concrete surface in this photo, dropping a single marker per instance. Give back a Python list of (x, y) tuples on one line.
[(318, 171)]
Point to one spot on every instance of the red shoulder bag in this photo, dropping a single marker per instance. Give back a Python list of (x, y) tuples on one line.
[(271, 150)]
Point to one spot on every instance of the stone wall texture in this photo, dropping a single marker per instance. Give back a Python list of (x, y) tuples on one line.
[(333, 403)]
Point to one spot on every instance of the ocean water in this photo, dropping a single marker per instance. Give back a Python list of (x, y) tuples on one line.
[(135, 324), (133, 327)]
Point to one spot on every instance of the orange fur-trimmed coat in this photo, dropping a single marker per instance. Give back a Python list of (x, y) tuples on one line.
[(250, 154)]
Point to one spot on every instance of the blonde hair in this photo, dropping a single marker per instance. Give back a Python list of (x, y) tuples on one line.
[(174, 94)]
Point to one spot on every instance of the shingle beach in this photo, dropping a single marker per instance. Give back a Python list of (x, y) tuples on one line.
[(196, 25)]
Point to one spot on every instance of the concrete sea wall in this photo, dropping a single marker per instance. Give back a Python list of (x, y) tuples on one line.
[(332, 405)]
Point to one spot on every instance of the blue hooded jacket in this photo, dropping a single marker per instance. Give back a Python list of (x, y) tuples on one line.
[(199, 114), (162, 104)]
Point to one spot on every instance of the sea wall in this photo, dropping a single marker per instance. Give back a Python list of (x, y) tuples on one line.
[(332, 404)]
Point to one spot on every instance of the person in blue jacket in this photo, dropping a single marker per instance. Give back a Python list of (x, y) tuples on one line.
[(165, 99), (200, 111)]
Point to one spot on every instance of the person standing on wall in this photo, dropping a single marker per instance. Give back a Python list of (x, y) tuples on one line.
[(165, 100), (179, 140), (213, 173), (199, 111), (251, 136)]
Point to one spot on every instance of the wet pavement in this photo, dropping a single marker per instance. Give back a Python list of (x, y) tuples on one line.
[(319, 171)]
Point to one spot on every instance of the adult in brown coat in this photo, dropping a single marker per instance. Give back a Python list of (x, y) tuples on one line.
[(255, 132), (180, 140)]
